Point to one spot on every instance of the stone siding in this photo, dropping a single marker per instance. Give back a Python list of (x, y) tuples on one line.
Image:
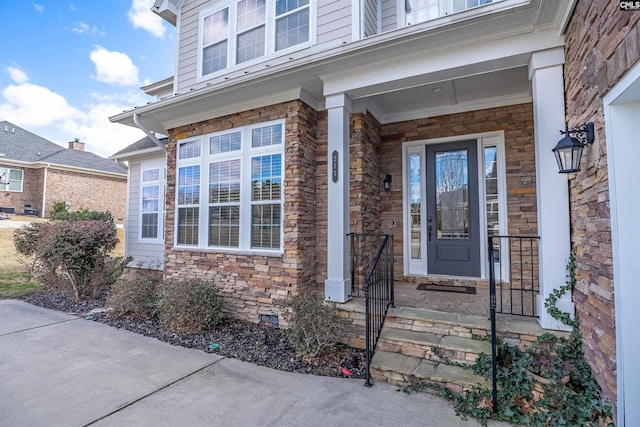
[(602, 44), (253, 284)]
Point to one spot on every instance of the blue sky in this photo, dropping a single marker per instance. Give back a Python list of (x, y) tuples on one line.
[(66, 66)]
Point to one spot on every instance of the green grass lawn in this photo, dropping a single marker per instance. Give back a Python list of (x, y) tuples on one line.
[(13, 283)]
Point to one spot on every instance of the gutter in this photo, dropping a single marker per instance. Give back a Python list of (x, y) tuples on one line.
[(146, 131), (44, 191)]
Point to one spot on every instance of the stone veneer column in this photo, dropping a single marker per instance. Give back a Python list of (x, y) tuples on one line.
[(545, 72), (337, 286)]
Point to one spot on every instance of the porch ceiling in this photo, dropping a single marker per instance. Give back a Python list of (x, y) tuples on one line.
[(491, 89)]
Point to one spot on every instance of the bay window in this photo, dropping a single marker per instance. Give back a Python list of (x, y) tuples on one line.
[(237, 203), (248, 29)]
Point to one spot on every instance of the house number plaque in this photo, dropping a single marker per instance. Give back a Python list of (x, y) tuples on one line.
[(334, 166)]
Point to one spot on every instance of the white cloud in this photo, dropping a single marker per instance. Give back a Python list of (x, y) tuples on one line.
[(38, 7), (140, 16), (114, 67), (17, 75), (84, 28), (48, 114)]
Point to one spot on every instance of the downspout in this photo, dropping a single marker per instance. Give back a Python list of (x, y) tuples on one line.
[(150, 134), (44, 190)]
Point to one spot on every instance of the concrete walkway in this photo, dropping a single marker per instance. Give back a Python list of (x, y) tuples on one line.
[(61, 370)]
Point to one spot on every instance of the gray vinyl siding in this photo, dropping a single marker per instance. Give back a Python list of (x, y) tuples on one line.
[(333, 28), (188, 43), (389, 15), (370, 18), (334, 21), (149, 254)]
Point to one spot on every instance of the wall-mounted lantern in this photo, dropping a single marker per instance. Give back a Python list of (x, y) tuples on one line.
[(568, 151), (386, 182)]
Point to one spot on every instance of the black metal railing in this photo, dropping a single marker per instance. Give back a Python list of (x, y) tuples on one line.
[(377, 286), (516, 261), (513, 262)]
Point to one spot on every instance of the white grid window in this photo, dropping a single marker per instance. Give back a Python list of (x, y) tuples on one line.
[(245, 30), (240, 207), (150, 209), (11, 179)]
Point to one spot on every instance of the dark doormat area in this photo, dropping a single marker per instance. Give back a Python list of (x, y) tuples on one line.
[(447, 288)]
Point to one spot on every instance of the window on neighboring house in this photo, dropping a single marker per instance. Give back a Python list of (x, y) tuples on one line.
[(11, 179), (151, 204), (248, 29), (240, 206)]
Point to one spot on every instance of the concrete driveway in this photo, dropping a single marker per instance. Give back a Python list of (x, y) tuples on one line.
[(62, 370)]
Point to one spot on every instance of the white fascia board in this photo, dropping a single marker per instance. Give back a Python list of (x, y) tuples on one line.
[(222, 107), (127, 157), (460, 62)]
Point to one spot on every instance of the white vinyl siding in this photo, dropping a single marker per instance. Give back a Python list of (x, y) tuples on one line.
[(389, 12), (334, 21), (231, 197)]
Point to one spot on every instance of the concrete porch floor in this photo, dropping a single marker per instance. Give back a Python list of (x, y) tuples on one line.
[(408, 296)]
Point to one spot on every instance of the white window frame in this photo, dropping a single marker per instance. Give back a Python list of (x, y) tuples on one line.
[(245, 154), (419, 267), (445, 8), (6, 187), (270, 34), (160, 183)]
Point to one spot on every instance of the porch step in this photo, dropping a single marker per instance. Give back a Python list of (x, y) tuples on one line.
[(402, 370), (515, 331), (429, 346)]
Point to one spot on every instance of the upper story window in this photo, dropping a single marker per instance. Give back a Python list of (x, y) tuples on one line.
[(231, 197), (11, 179), (248, 29), (424, 10)]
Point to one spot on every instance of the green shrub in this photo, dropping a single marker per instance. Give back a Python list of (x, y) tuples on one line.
[(59, 212), (73, 254), (137, 295), (190, 306), (313, 324)]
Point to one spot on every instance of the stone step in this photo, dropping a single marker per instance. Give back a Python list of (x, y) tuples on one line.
[(402, 370), (515, 331), (422, 344)]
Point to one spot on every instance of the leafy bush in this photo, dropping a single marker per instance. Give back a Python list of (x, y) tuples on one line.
[(59, 212), (137, 295), (190, 306), (313, 324), (73, 253)]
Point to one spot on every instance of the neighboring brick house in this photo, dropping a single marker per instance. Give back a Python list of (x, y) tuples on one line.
[(41, 173), (287, 121)]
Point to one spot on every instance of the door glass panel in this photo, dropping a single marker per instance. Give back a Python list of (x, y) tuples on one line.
[(491, 202), (452, 194), (415, 196)]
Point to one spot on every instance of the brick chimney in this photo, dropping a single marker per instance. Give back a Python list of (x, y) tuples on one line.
[(76, 145)]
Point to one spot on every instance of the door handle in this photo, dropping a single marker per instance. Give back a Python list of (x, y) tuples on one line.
[(429, 232)]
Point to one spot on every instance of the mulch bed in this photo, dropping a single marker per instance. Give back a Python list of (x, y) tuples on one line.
[(260, 344)]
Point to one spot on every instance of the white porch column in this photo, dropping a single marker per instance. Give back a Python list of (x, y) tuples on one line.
[(337, 287), (546, 74)]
